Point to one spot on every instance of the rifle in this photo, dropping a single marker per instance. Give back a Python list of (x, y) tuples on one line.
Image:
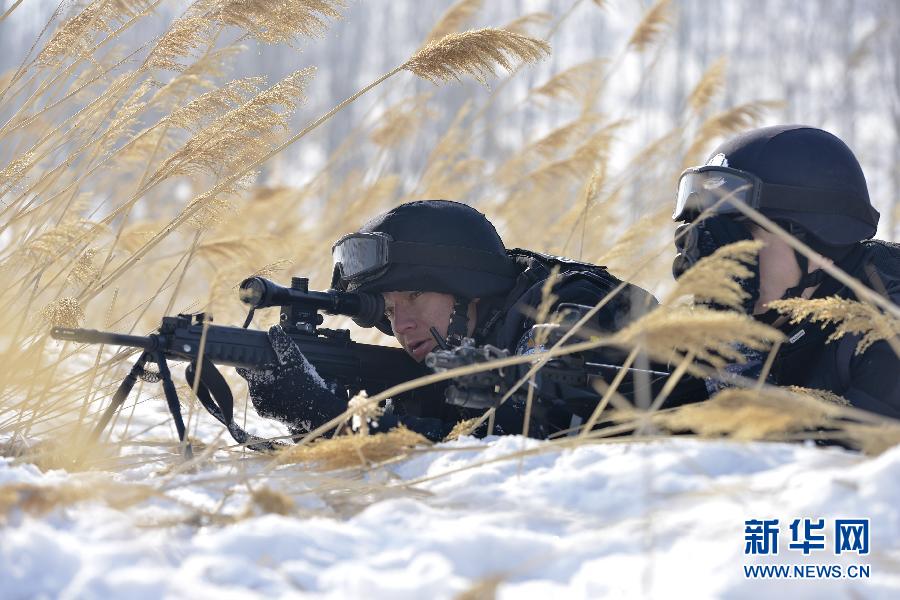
[(191, 338)]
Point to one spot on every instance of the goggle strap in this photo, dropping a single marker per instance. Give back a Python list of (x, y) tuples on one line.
[(431, 255), (803, 199)]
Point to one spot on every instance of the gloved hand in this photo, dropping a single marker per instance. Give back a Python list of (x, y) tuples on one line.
[(704, 238), (292, 392)]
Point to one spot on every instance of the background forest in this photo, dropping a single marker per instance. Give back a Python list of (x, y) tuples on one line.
[(155, 153)]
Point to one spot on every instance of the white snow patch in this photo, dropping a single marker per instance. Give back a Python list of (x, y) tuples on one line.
[(628, 519)]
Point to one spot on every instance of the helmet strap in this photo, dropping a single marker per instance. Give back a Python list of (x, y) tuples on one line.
[(459, 321), (806, 279)]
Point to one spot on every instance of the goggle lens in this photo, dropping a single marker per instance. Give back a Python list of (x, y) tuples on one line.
[(360, 254), (716, 189)]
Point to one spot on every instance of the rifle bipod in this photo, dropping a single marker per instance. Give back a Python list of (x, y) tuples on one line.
[(165, 376)]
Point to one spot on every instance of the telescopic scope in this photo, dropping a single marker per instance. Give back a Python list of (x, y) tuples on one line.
[(259, 292)]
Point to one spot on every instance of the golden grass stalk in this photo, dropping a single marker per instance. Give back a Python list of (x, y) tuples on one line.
[(652, 26), (84, 270), (449, 167), (453, 19), (525, 22), (353, 450), (561, 137), (873, 439), (710, 85), (577, 167), (38, 500), (621, 254), (182, 37), (475, 53), (277, 21), (669, 333), (75, 37), (402, 120), (591, 193), (725, 123), (65, 312), (717, 277), (849, 317), (273, 501), (363, 412), (239, 137), (751, 414), (483, 588), (462, 428), (10, 10), (579, 83)]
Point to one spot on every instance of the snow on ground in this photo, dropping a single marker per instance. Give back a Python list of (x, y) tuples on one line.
[(632, 519)]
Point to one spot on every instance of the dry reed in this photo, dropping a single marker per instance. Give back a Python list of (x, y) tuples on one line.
[(170, 124), (848, 317)]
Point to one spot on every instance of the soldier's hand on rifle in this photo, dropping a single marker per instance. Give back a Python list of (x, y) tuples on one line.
[(292, 391)]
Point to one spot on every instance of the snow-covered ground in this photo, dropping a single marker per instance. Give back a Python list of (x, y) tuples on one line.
[(662, 519)]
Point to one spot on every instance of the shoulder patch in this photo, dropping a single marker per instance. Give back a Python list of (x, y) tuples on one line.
[(528, 343)]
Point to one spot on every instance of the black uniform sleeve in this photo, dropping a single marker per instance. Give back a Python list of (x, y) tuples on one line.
[(875, 381)]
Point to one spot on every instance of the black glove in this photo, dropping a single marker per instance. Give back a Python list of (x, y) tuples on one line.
[(292, 392), (699, 240)]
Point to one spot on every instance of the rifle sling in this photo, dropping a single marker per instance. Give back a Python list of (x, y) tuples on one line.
[(215, 396)]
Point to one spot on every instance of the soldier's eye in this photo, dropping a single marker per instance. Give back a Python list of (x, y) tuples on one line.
[(414, 295), (389, 312)]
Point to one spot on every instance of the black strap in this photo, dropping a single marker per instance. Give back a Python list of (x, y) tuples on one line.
[(213, 385), (459, 321)]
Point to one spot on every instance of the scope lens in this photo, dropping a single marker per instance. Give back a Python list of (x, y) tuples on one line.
[(252, 291)]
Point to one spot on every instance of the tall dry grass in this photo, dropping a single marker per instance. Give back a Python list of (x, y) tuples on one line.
[(134, 184)]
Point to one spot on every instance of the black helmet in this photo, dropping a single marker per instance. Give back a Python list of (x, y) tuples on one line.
[(429, 246), (808, 178)]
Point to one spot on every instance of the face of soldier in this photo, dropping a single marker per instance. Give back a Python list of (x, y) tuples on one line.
[(778, 269), (413, 314)]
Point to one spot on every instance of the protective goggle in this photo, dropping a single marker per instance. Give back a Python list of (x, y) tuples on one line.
[(721, 190), (715, 188), (361, 257)]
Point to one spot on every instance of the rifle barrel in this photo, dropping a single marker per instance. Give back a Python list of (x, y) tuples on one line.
[(92, 336)]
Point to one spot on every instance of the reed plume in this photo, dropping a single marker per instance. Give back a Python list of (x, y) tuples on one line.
[(579, 83), (454, 18), (84, 270), (272, 501), (652, 26), (37, 499), (277, 21), (544, 148), (717, 277), (75, 37), (670, 333), (353, 450), (577, 167), (726, 123), (65, 312), (710, 85), (848, 317), (475, 53), (525, 22), (402, 120), (769, 413), (183, 37), (239, 137)]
